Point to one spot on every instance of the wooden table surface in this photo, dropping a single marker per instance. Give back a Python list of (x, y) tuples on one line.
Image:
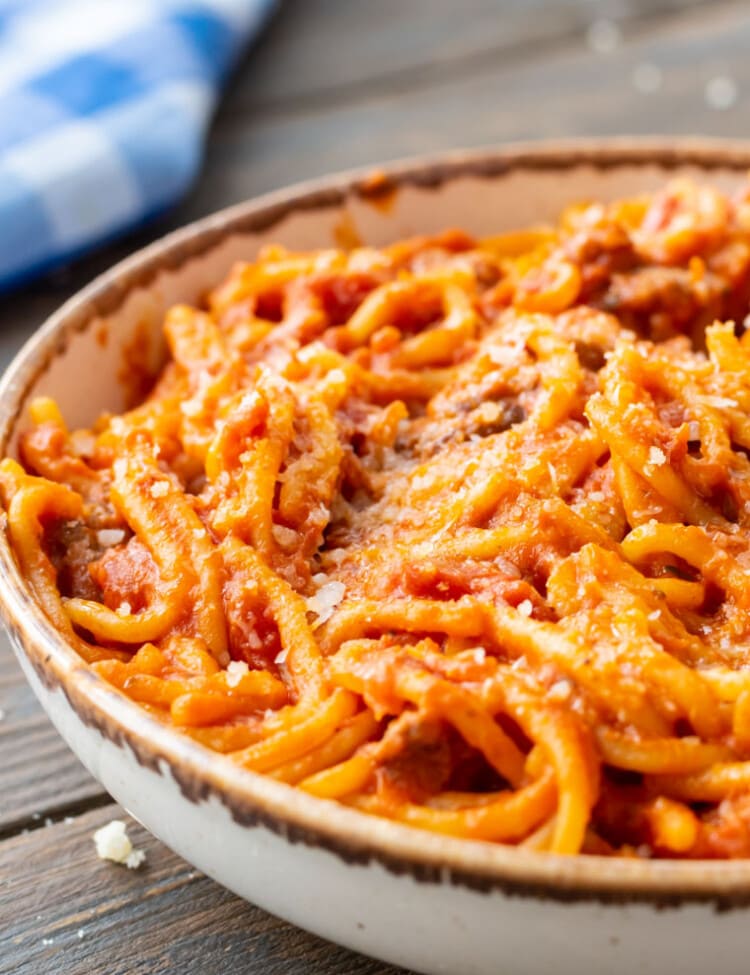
[(332, 83)]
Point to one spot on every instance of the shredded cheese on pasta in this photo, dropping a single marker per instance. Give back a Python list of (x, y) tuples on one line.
[(455, 532)]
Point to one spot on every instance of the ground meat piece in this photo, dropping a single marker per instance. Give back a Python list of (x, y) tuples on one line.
[(419, 760), (599, 253), (126, 574), (451, 578), (253, 634), (660, 302)]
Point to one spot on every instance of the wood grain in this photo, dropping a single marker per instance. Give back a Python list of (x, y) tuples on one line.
[(39, 776), (65, 911)]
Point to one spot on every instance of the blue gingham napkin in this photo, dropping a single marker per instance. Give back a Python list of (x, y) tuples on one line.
[(103, 108)]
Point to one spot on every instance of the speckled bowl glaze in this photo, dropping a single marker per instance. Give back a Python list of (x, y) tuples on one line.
[(426, 902)]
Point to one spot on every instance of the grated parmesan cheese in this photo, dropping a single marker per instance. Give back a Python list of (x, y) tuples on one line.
[(285, 537), (325, 600), (719, 402), (252, 400), (124, 609), (236, 670), (504, 355), (191, 408), (112, 843), (560, 690), (110, 536), (280, 657), (159, 489), (525, 608), (656, 456)]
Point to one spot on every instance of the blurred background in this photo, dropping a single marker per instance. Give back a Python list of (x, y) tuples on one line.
[(329, 84)]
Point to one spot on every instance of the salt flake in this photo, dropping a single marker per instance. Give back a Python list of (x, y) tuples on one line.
[(135, 859)]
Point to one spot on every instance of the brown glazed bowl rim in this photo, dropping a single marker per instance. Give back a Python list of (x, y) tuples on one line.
[(253, 799)]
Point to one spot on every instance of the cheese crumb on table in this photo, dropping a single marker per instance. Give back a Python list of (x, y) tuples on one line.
[(112, 843)]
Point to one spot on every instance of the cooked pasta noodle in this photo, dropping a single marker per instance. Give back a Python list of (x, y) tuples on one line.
[(453, 532)]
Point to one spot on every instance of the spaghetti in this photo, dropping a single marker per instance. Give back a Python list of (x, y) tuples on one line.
[(454, 532)]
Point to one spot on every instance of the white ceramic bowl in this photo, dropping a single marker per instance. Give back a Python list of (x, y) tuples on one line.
[(426, 902)]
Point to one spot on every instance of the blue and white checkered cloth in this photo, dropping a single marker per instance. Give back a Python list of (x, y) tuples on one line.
[(104, 106)]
